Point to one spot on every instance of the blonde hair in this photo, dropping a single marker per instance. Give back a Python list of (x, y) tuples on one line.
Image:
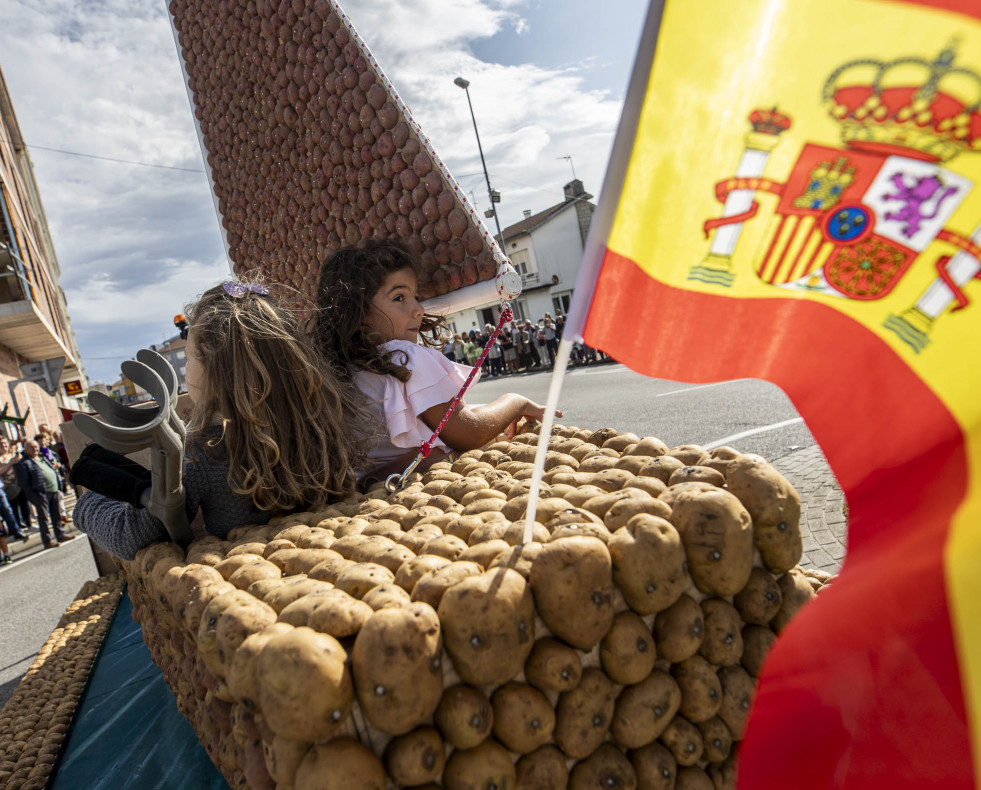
[(279, 406)]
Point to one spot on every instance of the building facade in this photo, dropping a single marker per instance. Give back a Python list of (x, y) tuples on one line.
[(546, 249), (34, 323)]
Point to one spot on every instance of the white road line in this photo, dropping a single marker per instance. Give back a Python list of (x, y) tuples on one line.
[(699, 387), (79, 536), (579, 372), (751, 432)]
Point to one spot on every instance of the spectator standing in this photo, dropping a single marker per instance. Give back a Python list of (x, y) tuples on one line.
[(509, 351), (551, 341), (44, 441), (494, 356), (16, 496), (471, 349), (40, 481), (459, 351), (9, 525)]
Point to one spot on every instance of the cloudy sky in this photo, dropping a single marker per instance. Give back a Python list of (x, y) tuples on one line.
[(136, 242)]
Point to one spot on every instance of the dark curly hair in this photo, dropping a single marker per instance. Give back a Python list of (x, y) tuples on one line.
[(349, 279)]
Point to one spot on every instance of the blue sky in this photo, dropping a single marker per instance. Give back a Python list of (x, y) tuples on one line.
[(136, 243)]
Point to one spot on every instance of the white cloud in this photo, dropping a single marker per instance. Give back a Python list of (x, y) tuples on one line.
[(136, 243)]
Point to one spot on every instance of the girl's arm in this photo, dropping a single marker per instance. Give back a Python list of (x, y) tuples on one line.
[(117, 527), (470, 428)]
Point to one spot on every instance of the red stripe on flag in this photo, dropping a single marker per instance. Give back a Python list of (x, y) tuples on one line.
[(864, 686), (966, 7)]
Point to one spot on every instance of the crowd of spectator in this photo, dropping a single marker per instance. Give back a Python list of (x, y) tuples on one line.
[(522, 346), (33, 481)]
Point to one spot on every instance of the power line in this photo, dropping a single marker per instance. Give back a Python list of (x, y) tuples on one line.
[(110, 158)]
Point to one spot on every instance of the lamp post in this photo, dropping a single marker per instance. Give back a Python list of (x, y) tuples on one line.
[(465, 84)]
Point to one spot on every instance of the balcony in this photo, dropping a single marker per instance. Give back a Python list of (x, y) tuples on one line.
[(24, 329), (530, 280)]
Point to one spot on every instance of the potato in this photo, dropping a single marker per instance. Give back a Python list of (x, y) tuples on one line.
[(774, 507), (606, 767), (697, 474), (572, 515), (448, 546), (485, 766), (691, 777), (643, 711), (414, 569), (673, 493), (369, 547), (398, 675), (346, 527), (487, 531), (689, 454), (341, 764), (240, 675), (464, 526), (415, 758), (194, 576), (553, 666), (650, 485), (757, 641), (519, 558), (718, 537), (648, 563), (723, 775), (578, 496), (543, 769), (336, 613), (635, 503), (283, 756), (199, 597), (431, 587), (610, 479), (723, 641), (292, 589), (679, 630), (627, 651), (488, 625), (583, 715), (464, 485), (572, 580), (329, 570), (245, 575), (599, 437), (795, 591), (357, 579), (235, 623), (417, 537), (484, 553), (386, 595), (716, 739), (684, 741), (304, 686), (207, 642), (737, 696), (760, 600), (547, 507), (464, 716), (597, 463), (599, 505), (701, 692), (523, 717), (587, 530), (229, 565), (654, 766), (393, 557), (514, 535), (385, 528)]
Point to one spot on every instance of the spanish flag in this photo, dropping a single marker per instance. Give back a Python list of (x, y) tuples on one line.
[(795, 195)]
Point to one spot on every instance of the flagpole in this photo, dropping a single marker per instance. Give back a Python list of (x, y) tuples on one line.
[(599, 232)]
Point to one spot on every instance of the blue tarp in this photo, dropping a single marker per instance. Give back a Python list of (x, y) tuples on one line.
[(128, 732)]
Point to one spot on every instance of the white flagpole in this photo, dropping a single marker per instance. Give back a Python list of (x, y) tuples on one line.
[(599, 232)]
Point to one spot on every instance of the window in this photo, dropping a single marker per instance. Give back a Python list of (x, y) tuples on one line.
[(519, 260), (561, 302), (520, 309)]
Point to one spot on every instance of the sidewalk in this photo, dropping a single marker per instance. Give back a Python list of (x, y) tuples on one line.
[(19, 549), (822, 518)]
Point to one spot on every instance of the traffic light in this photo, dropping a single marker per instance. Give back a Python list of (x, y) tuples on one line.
[(181, 323)]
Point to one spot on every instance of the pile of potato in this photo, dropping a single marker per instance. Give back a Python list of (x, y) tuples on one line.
[(310, 147), (411, 640), (35, 720)]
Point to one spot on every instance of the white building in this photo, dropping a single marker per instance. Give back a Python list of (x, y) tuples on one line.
[(546, 248)]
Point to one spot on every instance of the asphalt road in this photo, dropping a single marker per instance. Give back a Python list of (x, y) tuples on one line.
[(752, 416)]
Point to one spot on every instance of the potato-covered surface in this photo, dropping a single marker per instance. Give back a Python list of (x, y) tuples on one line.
[(413, 639)]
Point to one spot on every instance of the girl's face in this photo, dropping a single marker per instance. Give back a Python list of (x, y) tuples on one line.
[(193, 372), (395, 310)]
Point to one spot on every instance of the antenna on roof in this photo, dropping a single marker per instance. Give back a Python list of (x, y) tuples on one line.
[(570, 165)]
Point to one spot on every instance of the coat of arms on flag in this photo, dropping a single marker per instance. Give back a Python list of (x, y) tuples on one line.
[(851, 221)]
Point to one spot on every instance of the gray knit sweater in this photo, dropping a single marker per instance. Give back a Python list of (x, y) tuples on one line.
[(122, 529)]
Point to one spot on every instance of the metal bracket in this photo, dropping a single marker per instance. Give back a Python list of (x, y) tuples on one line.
[(126, 429)]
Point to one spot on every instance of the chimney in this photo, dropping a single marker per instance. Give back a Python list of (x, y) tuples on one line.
[(574, 189), (527, 213)]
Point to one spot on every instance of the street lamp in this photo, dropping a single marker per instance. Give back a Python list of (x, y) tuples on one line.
[(495, 197)]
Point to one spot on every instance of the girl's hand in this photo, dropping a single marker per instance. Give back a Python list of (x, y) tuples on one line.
[(535, 412)]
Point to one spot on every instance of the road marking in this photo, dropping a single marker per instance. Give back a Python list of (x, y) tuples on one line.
[(579, 372), (699, 387), (752, 432), (79, 536)]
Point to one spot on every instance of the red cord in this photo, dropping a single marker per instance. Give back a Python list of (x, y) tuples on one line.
[(506, 315)]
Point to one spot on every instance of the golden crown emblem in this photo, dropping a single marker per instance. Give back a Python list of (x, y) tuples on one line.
[(911, 106)]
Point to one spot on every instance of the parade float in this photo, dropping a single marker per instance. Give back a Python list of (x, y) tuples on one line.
[(416, 638)]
